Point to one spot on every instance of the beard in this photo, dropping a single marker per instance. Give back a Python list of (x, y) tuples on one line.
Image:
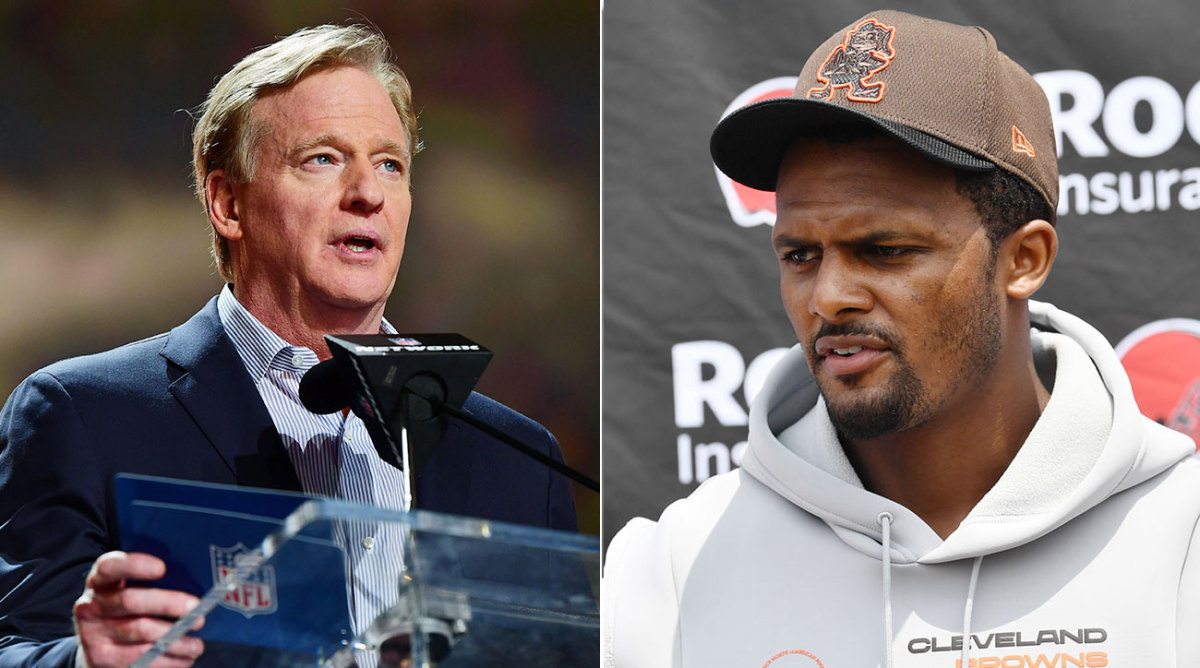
[(969, 336), (900, 405)]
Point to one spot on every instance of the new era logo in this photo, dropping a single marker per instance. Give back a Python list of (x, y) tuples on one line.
[(1021, 144)]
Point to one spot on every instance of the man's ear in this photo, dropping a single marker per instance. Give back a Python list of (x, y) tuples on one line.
[(1026, 257), (220, 198)]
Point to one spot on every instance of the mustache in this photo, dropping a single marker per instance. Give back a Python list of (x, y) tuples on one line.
[(886, 334)]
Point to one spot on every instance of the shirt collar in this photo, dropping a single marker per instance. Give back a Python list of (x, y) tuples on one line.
[(259, 347)]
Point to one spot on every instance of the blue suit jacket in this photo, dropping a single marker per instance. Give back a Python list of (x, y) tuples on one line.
[(182, 405)]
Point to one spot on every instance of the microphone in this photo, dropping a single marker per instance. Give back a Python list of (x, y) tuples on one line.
[(331, 386), (408, 382), (328, 387), (397, 385)]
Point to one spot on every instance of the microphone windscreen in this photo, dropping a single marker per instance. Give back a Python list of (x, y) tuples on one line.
[(327, 388)]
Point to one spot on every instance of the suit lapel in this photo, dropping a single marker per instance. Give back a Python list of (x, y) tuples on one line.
[(210, 381)]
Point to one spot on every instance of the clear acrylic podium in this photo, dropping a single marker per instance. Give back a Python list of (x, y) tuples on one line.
[(467, 592)]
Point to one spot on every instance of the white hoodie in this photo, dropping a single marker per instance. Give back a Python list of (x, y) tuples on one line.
[(1085, 553)]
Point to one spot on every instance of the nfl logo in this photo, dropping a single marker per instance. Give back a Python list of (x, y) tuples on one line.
[(255, 594), (404, 341)]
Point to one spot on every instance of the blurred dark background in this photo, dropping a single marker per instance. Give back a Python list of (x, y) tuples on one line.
[(104, 243)]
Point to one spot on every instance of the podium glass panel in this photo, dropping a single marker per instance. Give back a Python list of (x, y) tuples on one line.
[(479, 593)]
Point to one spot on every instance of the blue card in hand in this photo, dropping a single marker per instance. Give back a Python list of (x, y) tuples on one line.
[(297, 601)]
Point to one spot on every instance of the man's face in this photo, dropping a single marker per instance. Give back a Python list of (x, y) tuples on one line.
[(888, 278), (324, 218)]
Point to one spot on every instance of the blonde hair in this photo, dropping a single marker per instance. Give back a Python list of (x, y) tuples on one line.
[(226, 135)]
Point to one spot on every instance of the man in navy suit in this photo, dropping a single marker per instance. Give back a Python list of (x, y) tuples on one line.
[(303, 158)]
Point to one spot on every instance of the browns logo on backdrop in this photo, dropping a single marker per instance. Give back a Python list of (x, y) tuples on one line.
[(747, 206), (1162, 359)]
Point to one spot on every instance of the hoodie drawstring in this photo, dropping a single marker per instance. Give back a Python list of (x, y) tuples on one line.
[(885, 524), (966, 645)]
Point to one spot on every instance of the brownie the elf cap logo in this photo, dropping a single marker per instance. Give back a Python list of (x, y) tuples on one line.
[(866, 51), (747, 206)]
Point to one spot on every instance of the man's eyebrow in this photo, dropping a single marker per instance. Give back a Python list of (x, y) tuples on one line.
[(879, 236), (865, 239), (309, 144), (788, 241), (392, 146), (385, 146)]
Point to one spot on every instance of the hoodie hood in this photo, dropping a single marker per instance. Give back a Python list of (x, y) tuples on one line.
[(1090, 442)]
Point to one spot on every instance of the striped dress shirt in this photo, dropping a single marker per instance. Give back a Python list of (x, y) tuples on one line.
[(332, 455)]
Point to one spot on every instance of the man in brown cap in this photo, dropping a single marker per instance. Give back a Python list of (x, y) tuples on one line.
[(942, 472)]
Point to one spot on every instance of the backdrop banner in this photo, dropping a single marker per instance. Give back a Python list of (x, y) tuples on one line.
[(692, 316)]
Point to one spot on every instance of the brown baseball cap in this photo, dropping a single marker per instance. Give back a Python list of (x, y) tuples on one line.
[(943, 89)]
